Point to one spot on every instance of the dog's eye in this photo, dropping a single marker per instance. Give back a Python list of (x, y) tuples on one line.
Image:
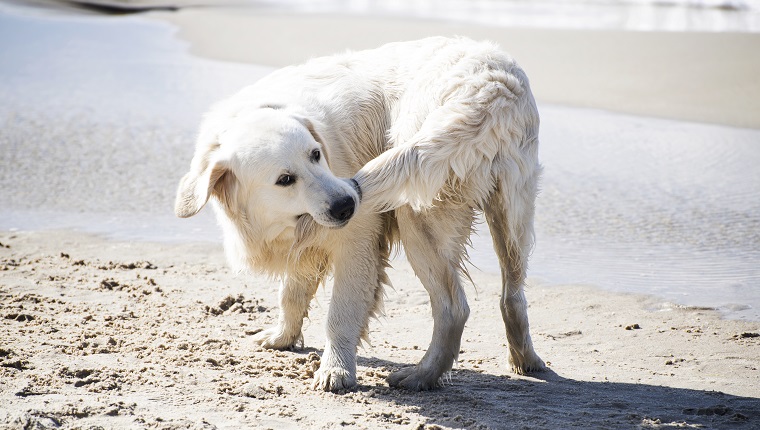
[(315, 155), (285, 180)]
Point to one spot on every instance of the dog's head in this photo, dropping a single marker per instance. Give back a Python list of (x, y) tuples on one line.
[(268, 166)]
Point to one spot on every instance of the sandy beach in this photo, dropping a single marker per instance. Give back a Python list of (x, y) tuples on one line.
[(114, 314), (144, 335)]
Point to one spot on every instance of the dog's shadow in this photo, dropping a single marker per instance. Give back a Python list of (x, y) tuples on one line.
[(471, 399)]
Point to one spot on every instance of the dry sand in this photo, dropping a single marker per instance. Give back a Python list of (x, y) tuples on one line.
[(104, 334), (706, 77)]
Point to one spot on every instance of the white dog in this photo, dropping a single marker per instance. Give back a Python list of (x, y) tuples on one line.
[(430, 133)]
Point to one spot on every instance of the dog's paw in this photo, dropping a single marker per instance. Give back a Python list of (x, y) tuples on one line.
[(333, 379), (528, 363), (413, 379), (276, 338)]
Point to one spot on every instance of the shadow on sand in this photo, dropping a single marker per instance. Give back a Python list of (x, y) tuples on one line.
[(549, 400)]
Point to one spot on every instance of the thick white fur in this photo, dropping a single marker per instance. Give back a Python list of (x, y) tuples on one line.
[(432, 132)]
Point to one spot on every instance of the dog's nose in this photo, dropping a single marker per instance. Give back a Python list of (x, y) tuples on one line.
[(343, 209)]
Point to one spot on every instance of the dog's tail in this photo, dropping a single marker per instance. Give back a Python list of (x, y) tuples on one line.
[(468, 139)]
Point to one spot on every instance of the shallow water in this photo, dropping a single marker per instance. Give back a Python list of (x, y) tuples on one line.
[(638, 15), (99, 115)]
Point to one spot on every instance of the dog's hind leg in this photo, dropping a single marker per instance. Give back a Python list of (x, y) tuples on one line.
[(513, 241), (434, 241), (296, 292)]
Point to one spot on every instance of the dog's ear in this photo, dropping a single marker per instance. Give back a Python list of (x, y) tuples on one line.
[(197, 185)]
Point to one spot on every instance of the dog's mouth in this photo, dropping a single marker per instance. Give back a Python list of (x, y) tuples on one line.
[(333, 224), (338, 225), (307, 218)]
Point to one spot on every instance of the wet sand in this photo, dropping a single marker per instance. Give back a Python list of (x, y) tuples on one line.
[(706, 77)]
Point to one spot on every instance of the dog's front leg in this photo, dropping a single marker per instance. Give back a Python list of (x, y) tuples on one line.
[(353, 300), (296, 293)]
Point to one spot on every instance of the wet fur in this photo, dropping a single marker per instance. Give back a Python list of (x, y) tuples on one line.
[(431, 132)]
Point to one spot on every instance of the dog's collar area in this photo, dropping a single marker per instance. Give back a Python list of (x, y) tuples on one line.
[(357, 188)]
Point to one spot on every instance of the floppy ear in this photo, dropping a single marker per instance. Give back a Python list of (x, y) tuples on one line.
[(196, 186)]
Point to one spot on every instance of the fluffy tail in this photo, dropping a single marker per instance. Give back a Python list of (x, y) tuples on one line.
[(479, 126)]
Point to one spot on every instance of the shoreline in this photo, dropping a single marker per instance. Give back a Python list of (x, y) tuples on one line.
[(685, 74)]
